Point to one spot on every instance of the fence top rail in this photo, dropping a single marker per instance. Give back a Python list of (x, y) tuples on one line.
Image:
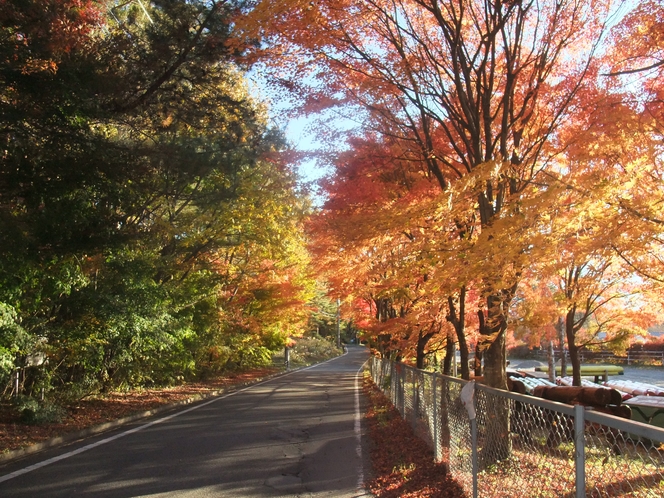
[(433, 374), (638, 429), (543, 403), (532, 400), (448, 378), (632, 426)]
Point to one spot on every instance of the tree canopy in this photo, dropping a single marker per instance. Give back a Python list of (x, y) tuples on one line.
[(504, 179), (149, 214), (505, 170)]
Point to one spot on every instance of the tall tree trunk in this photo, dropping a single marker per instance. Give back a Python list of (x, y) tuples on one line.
[(458, 321), (492, 333), (449, 355), (572, 347), (477, 363), (464, 357), (552, 362), (560, 328), (422, 341), (495, 362), (492, 330)]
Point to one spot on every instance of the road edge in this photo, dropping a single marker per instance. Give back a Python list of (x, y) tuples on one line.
[(56, 441), (106, 426)]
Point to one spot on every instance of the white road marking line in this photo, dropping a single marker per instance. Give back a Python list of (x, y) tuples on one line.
[(358, 430), (83, 449), (64, 456)]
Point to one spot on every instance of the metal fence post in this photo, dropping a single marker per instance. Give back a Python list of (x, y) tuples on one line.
[(473, 439), (580, 450), (415, 398), (395, 384), (397, 387), (436, 453), (402, 383), (399, 399)]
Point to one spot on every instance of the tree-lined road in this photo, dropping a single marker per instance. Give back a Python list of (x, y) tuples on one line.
[(295, 435)]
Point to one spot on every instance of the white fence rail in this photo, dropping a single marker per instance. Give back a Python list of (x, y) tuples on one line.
[(522, 446)]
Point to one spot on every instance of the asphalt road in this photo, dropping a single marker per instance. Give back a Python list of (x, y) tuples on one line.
[(295, 435)]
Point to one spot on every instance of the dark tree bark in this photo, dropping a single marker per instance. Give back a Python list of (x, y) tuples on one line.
[(422, 340), (560, 328), (449, 355), (477, 363), (551, 362), (458, 321), (570, 332)]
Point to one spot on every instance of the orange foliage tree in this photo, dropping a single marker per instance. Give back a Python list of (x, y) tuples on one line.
[(496, 138), (467, 88), (385, 268), (597, 244)]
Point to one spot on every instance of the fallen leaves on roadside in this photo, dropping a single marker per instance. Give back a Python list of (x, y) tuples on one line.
[(97, 410), (402, 464)]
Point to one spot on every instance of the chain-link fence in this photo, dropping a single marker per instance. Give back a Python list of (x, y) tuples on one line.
[(500, 444)]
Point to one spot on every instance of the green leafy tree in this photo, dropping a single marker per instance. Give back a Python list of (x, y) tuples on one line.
[(134, 160)]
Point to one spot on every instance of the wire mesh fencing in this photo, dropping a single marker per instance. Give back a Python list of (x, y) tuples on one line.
[(622, 458), (501, 444)]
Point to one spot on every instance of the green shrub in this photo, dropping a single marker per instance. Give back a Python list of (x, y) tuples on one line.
[(310, 350), (35, 412)]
